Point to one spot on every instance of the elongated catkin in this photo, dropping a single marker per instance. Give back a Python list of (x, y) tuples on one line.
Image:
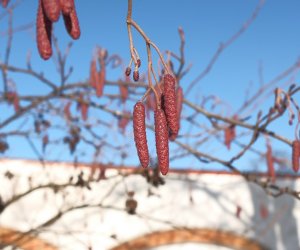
[(229, 134), (179, 95), (84, 110), (123, 92), (179, 99), (4, 3), (161, 140), (43, 33), (270, 163), (170, 105), (101, 81), (72, 24), (296, 155), (93, 74), (139, 131)]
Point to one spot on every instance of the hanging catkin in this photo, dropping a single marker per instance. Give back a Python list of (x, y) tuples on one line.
[(270, 163), (296, 155), (84, 110), (72, 23), (170, 105), (179, 95), (139, 131), (229, 135), (179, 99), (93, 74), (162, 140), (101, 81), (123, 92), (4, 3), (43, 33), (136, 75)]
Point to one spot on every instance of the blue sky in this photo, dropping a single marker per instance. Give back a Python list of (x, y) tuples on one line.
[(272, 41)]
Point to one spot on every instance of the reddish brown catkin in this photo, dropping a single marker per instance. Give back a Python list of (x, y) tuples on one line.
[(123, 92), (93, 74), (123, 122), (136, 75), (270, 163), (229, 135), (4, 3), (84, 111), (296, 155), (16, 103), (128, 71), (139, 131), (72, 24), (101, 81), (170, 106), (67, 111), (66, 6), (43, 33), (162, 140), (179, 94), (179, 100), (80, 100), (52, 9)]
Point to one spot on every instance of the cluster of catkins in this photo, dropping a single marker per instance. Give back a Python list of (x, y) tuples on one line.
[(48, 13), (136, 74), (166, 119)]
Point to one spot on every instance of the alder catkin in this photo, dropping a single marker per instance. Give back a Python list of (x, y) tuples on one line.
[(84, 111), (16, 103), (67, 111), (51, 9), (229, 134), (123, 122), (270, 163), (101, 81), (123, 92), (139, 131), (161, 140), (179, 95), (227, 137), (170, 106), (66, 6), (128, 71), (4, 3), (43, 33), (296, 155), (72, 24), (93, 74), (136, 75), (179, 99)]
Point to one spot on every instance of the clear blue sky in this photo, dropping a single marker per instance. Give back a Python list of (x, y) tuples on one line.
[(273, 40)]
